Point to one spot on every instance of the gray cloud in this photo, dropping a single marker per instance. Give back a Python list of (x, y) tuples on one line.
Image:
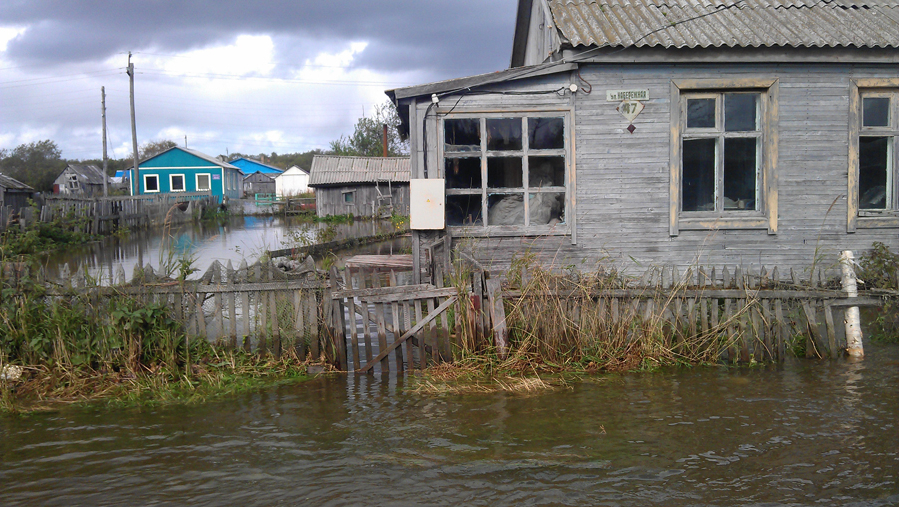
[(448, 38)]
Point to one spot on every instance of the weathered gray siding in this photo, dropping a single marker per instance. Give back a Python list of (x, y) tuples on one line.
[(330, 200), (622, 195)]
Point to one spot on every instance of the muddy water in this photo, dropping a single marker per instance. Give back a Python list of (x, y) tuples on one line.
[(802, 433), (233, 240)]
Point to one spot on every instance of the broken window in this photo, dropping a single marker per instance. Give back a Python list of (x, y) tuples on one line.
[(720, 150), (177, 182), (489, 176), (877, 152)]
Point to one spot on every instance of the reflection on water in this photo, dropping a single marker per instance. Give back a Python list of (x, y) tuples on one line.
[(234, 240), (802, 433)]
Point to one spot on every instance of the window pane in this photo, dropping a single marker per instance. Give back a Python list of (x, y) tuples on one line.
[(873, 164), (203, 182), (463, 173), (546, 133), (740, 112), (546, 171), (348, 197), (698, 185), (546, 208), (462, 135), (504, 172), (876, 111), (504, 134), (463, 210), (177, 183), (700, 113), (505, 209), (152, 184), (740, 174)]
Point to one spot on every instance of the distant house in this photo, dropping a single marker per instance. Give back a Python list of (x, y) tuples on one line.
[(360, 185), (258, 183), (81, 180), (185, 170), (14, 193), (293, 181)]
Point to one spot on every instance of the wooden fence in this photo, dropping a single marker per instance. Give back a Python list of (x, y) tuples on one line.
[(375, 319), (102, 215)]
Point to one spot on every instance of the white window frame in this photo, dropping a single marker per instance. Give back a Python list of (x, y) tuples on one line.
[(148, 176), (485, 230), (172, 183), (208, 182), (765, 216), (873, 218)]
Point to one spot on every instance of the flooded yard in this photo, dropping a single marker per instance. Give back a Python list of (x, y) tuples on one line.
[(801, 433), (233, 240)]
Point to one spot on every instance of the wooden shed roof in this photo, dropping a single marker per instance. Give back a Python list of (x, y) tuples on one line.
[(333, 170), (13, 184), (89, 172)]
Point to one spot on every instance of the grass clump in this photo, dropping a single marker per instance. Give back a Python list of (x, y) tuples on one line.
[(879, 268)]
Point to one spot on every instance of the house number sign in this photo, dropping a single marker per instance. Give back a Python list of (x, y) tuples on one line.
[(630, 109)]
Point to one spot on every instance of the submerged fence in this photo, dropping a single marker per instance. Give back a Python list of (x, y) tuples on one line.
[(372, 319), (102, 215)]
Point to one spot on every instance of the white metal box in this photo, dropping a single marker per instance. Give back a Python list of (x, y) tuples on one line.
[(427, 204)]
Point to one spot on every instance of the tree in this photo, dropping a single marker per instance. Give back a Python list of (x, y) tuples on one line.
[(35, 164), (151, 148), (367, 137)]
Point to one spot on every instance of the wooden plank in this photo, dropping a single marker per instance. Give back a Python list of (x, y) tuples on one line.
[(382, 327), (781, 331), (422, 347), (497, 316), (339, 323), (366, 321), (407, 324), (433, 314), (814, 338), (431, 336), (831, 332), (373, 293), (217, 314), (355, 310), (395, 320), (232, 307)]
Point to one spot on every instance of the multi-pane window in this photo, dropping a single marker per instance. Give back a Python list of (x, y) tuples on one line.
[(177, 182), (721, 152), (508, 170), (151, 183), (203, 183), (877, 152)]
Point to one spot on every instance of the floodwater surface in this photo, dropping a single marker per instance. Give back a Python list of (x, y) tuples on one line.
[(202, 243), (801, 433)]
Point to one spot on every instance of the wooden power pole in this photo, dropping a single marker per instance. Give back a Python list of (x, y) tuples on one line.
[(103, 115), (136, 183)]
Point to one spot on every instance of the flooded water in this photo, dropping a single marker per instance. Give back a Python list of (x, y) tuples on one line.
[(801, 433), (234, 240)]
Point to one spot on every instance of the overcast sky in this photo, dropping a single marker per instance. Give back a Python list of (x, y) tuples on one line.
[(238, 76)]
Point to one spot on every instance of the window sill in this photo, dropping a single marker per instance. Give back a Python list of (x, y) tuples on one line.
[(507, 231), (874, 220), (715, 223)]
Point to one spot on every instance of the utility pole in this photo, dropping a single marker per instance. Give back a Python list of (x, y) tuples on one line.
[(103, 115), (135, 189), (185, 140)]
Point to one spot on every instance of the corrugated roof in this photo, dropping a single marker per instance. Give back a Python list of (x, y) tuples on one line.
[(13, 184), (334, 170), (91, 173), (730, 23)]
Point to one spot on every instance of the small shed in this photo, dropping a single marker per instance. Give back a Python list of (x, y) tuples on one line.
[(185, 170), (81, 180), (14, 194), (258, 183), (361, 186), (292, 182)]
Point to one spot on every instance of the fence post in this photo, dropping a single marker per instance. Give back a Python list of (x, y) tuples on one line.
[(853, 324)]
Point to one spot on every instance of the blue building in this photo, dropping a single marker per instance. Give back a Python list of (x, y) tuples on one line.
[(250, 166), (184, 170)]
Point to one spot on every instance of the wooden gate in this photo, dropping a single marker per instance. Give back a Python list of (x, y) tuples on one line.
[(377, 317)]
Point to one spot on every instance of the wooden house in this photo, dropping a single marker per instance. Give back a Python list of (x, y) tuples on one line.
[(258, 183), (79, 180), (185, 170), (14, 194), (639, 132), (360, 186), (292, 182)]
